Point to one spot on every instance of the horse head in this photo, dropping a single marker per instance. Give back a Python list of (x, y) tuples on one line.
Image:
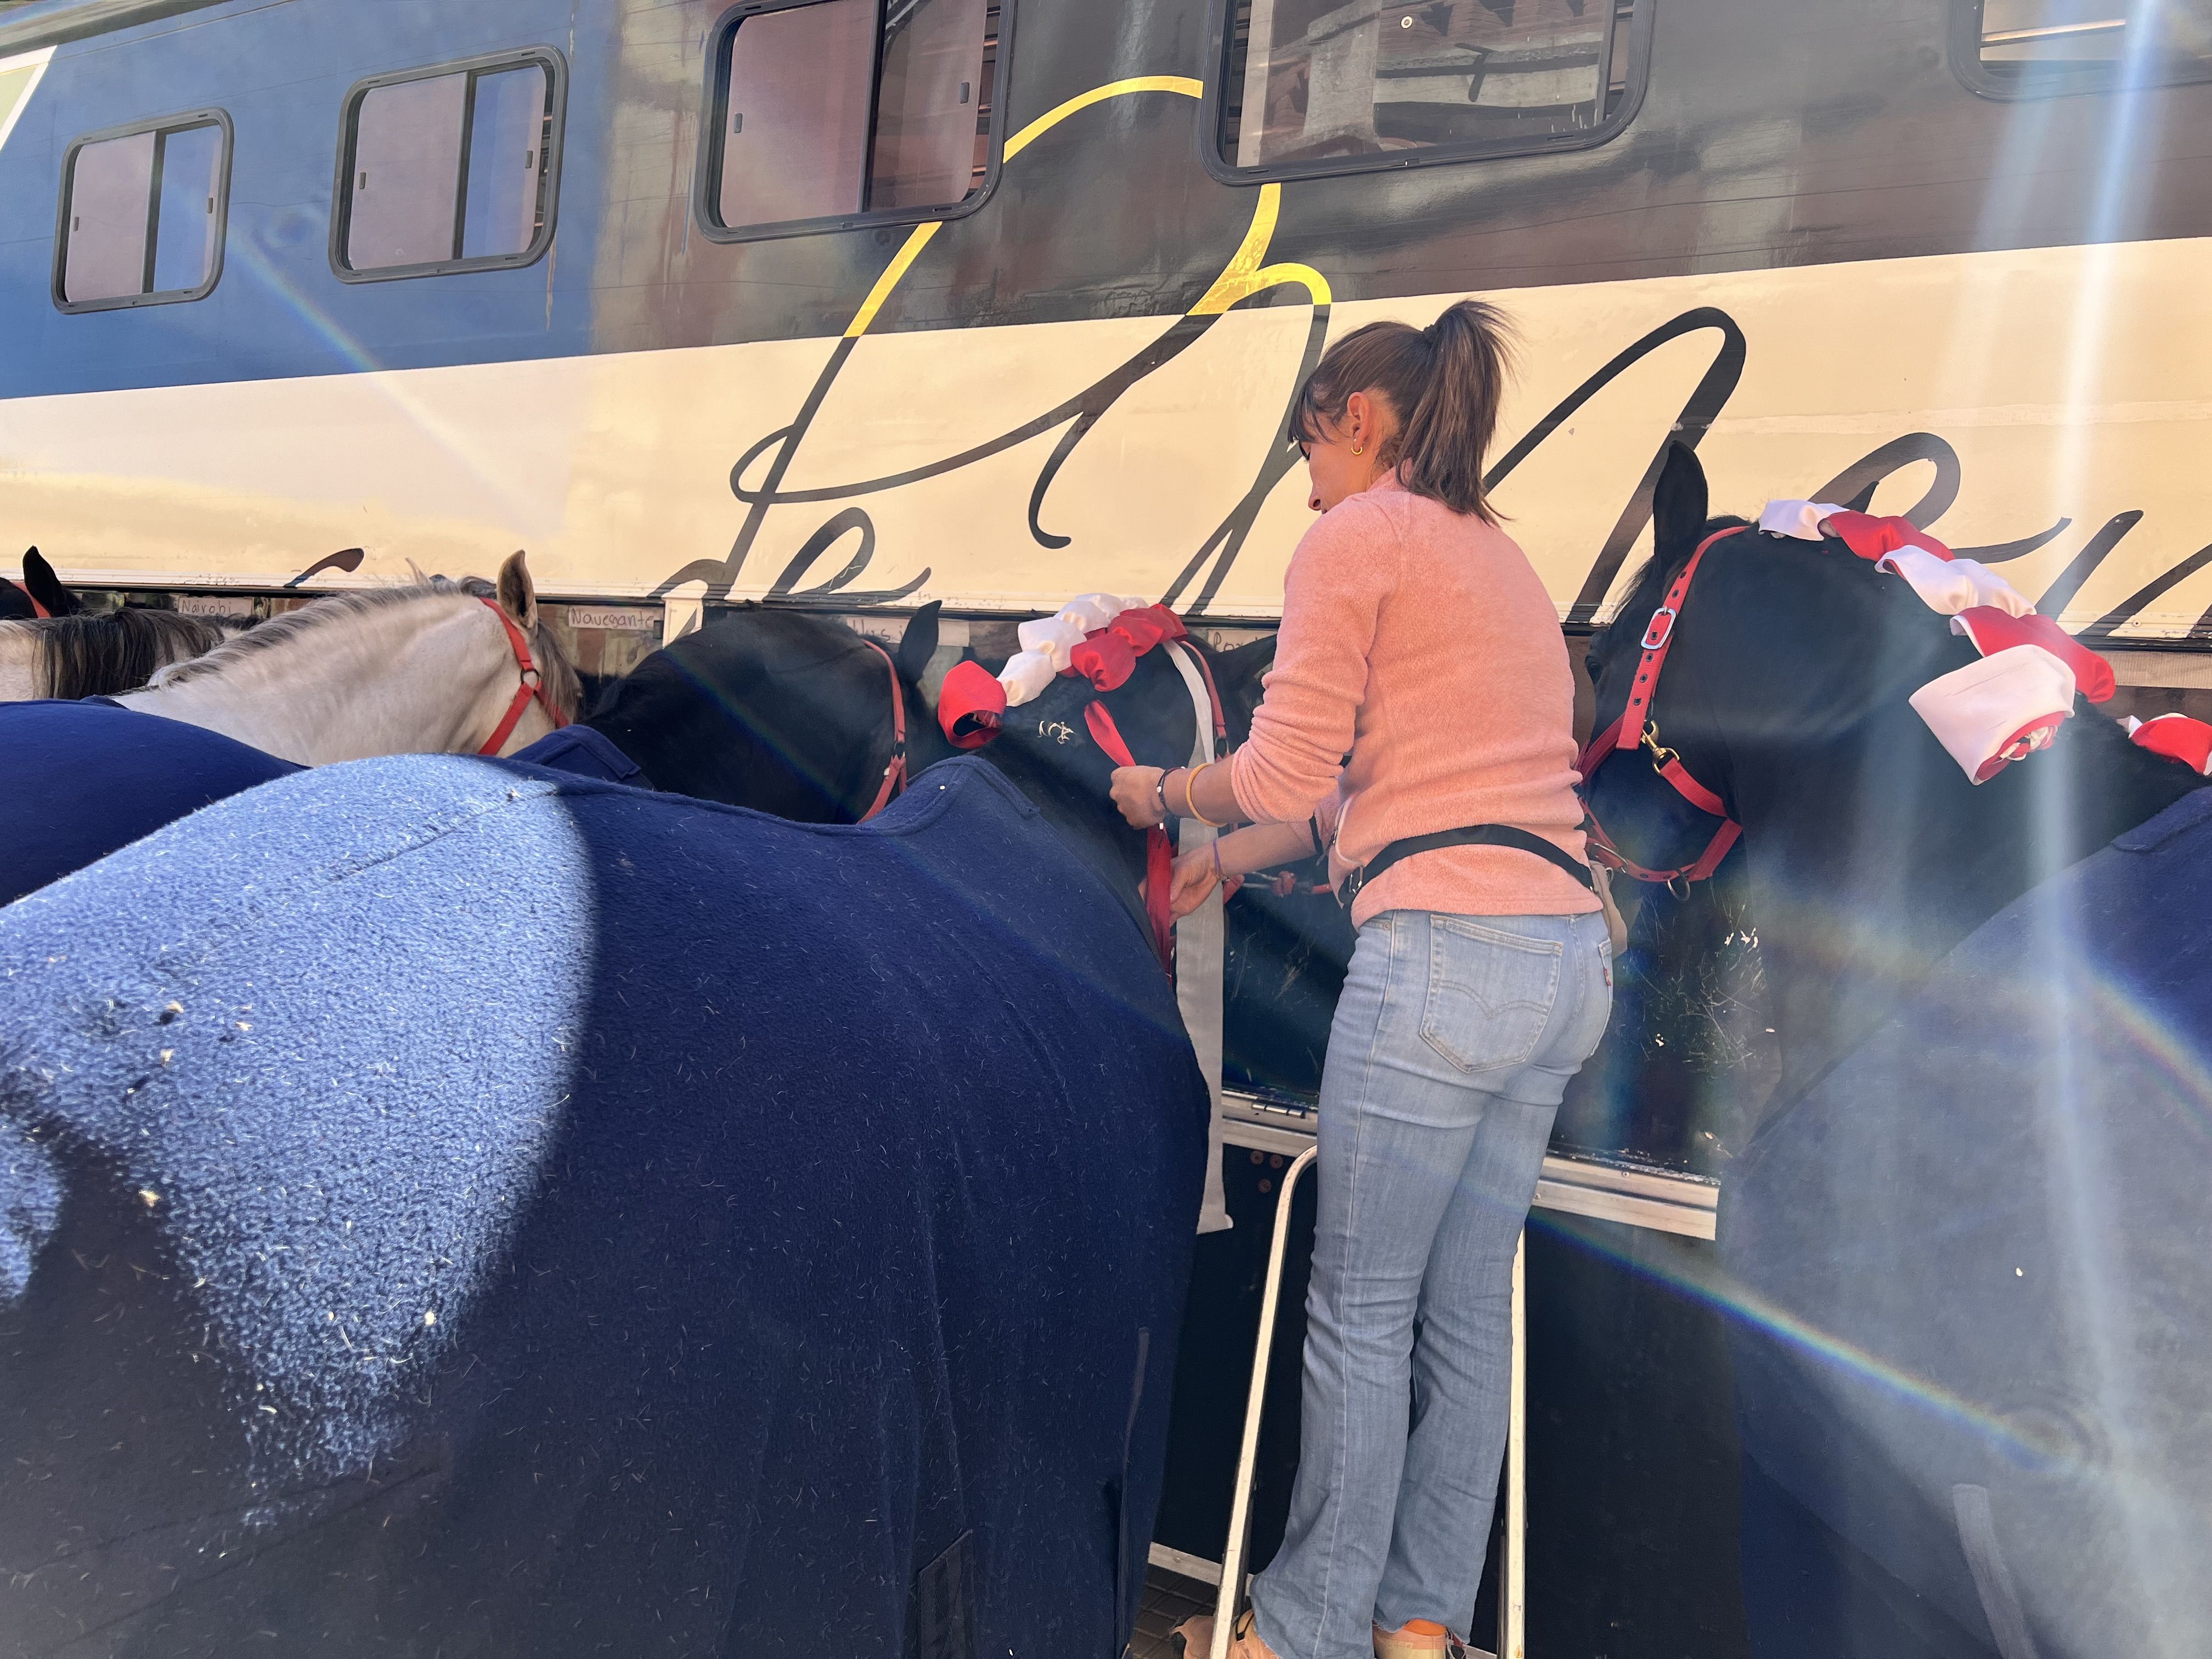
[(782, 710), (1786, 699), (435, 665)]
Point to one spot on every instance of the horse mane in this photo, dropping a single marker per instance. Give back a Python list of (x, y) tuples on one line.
[(558, 671), (96, 656)]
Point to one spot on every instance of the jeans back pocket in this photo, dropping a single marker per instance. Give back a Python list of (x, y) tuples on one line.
[(1490, 993)]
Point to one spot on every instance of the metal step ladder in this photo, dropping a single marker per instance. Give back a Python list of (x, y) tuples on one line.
[(1230, 1575)]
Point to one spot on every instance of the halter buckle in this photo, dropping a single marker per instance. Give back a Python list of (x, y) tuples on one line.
[(1661, 629)]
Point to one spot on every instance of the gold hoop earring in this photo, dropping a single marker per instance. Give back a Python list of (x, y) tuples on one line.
[(1359, 449)]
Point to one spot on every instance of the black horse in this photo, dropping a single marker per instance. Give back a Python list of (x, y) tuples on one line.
[(559, 1217), (1967, 1235), (782, 710)]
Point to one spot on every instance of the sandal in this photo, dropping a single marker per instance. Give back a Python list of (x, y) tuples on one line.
[(1196, 1633), (1418, 1638)]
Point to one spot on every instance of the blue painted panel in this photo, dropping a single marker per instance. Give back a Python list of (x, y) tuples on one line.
[(283, 71)]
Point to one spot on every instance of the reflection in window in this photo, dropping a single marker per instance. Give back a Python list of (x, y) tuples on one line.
[(142, 220), (824, 115), (2072, 46), (1310, 80), (447, 168)]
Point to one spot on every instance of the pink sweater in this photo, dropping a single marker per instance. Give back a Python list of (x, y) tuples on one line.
[(1419, 642)]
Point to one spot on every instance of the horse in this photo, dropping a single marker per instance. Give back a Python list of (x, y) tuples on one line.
[(1964, 1241), (98, 654), (50, 647), (435, 665), (792, 712), (549, 1216), (782, 710)]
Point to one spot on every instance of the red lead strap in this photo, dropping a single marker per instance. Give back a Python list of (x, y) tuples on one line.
[(1635, 728), (894, 783), (533, 684), (1159, 860)]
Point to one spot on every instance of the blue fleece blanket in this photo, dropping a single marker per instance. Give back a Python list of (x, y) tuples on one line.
[(1978, 1340), (85, 778), (451, 1208)]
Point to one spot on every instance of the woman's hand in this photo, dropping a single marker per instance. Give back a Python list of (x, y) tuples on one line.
[(1195, 872), (1137, 792)]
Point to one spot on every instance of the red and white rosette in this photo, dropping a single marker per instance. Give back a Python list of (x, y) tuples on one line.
[(1997, 710), (1993, 631), (2177, 737), (1098, 635)]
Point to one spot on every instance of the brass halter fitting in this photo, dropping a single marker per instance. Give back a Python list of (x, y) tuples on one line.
[(1660, 755)]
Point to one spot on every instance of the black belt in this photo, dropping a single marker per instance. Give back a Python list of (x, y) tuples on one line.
[(1479, 834)]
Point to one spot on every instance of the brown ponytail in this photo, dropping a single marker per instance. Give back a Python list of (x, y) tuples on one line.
[(1444, 383)]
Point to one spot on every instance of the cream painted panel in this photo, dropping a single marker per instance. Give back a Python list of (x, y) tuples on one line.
[(2072, 383)]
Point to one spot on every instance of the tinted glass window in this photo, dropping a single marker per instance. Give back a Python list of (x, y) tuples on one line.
[(185, 222), (842, 106), (108, 212), (406, 173), (926, 121), (1313, 80), (795, 137), (143, 214), (506, 139), (448, 169), (2072, 46)]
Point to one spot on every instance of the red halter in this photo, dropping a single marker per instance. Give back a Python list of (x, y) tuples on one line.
[(894, 783), (1635, 727), (533, 683)]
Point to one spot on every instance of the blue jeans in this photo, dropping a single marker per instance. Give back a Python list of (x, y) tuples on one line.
[(1453, 1043)]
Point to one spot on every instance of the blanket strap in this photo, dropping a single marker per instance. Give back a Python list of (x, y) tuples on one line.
[(1201, 938)]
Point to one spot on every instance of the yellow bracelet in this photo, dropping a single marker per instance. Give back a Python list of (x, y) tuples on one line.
[(1190, 800)]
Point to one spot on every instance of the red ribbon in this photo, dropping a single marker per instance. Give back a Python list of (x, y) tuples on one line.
[(1159, 859)]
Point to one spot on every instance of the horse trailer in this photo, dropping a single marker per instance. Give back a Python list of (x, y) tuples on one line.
[(858, 305)]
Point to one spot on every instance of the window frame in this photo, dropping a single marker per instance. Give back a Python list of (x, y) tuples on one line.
[(1965, 29), (179, 122), (556, 66), (713, 113), (1640, 24)]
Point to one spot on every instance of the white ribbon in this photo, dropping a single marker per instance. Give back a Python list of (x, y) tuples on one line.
[(1798, 520), (1947, 587)]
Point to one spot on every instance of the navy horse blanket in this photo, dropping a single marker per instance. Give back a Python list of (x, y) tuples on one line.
[(89, 777), (1977, 1340), (449, 1206)]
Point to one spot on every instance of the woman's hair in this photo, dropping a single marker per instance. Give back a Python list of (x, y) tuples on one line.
[(1444, 383)]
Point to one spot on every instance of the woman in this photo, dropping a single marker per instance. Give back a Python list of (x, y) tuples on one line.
[(1420, 685)]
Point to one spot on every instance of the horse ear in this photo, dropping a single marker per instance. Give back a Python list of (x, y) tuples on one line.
[(15, 603), (1678, 506), (518, 596), (46, 588), (919, 643)]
